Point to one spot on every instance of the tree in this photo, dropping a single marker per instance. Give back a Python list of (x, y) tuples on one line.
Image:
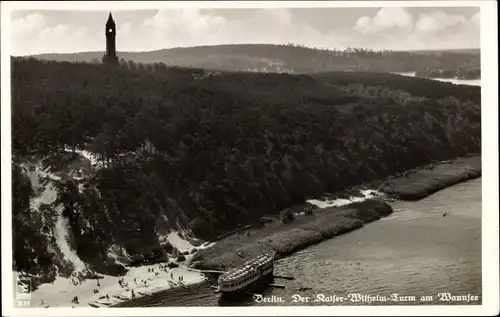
[(288, 217)]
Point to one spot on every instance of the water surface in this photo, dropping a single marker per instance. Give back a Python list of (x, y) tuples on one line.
[(456, 81)]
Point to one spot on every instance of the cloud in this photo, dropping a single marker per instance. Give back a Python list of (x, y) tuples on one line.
[(449, 30), (438, 21), (60, 31), (191, 27), (61, 38), (186, 21), (475, 20), (386, 19), (396, 28), (171, 28), (388, 28), (27, 24)]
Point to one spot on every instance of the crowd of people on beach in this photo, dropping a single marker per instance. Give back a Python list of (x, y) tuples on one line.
[(123, 284)]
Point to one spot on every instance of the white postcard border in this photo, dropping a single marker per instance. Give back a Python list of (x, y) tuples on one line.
[(489, 113)]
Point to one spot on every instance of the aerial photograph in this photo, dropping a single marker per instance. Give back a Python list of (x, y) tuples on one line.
[(272, 156)]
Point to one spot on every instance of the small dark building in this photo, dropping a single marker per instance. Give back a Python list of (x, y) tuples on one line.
[(110, 57)]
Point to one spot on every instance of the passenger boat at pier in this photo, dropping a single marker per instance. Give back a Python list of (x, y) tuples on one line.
[(252, 274)]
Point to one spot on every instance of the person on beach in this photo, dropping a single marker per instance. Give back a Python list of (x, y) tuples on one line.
[(135, 281), (107, 297), (98, 283)]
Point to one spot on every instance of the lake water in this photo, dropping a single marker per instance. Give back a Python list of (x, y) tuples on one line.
[(417, 251), (472, 82)]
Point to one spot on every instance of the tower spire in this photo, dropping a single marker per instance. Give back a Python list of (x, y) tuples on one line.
[(110, 56)]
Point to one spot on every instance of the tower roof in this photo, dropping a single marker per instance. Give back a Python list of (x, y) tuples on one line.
[(110, 22)]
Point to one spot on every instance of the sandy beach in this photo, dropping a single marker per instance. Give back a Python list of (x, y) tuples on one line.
[(140, 281)]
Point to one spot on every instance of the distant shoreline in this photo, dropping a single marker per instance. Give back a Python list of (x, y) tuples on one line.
[(476, 81)]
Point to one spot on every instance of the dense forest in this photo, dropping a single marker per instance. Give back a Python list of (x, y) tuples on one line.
[(222, 149), (300, 59)]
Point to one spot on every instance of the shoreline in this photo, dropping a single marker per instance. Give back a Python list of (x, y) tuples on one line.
[(424, 181), (283, 239), (476, 81)]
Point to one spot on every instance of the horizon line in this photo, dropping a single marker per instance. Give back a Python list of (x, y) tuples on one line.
[(254, 44)]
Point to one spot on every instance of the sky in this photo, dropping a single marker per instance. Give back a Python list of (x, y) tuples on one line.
[(414, 28)]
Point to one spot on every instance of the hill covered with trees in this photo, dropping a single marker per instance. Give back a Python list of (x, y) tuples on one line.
[(206, 151), (300, 59)]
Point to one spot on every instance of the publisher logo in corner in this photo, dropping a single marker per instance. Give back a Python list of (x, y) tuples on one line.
[(23, 291)]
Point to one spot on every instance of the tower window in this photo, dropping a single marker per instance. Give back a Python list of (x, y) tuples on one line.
[(110, 30)]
